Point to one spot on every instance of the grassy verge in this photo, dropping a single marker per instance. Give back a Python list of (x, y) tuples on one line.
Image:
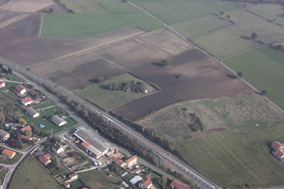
[(31, 175), (234, 158), (263, 68), (70, 25)]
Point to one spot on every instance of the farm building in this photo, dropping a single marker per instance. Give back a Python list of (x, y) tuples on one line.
[(57, 148), (20, 89), (66, 184), (2, 83), (45, 159), (131, 161), (178, 185), (146, 183), (120, 163), (32, 112), (8, 153), (73, 176), (58, 121), (276, 144), (27, 101), (93, 146), (278, 151), (4, 135)]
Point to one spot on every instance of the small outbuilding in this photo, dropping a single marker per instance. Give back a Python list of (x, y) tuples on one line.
[(32, 112), (58, 121)]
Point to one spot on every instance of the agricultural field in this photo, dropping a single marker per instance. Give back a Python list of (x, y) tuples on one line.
[(237, 112), (70, 25), (25, 178), (236, 38), (100, 95), (270, 12), (201, 26), (94, 179), (239, 156), (263, 68), (202, 76), (176, 11)]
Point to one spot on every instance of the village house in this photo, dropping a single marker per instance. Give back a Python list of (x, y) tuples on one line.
[(33, 113), (20, 89), (66, 184), (8, 153), (146, 183), (26, 128), (27, 138), (178, 185), (73, 176), (57, 148), (4, 135), (278, 151), (45, 159), (18, 125), (58, 121), (120, 163), (131, 161), (2, 83), (137, 171), (27, 101)]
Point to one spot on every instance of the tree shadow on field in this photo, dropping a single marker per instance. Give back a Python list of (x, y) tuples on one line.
[(231, 76), (105, 87), (245, 37), (157, 64)]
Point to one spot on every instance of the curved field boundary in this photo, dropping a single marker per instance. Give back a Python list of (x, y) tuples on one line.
[(252, 87)]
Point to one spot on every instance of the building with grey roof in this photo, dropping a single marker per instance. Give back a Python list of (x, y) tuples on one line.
[(58, 121), (32, 112), (92, 145), (4, 135)]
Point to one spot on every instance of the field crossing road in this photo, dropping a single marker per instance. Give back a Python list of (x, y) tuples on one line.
[(199, 179)]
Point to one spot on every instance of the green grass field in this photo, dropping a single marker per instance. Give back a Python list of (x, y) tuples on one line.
[(94, 179), (234, 158), (107, 99), (176, 11), (31, 175), (235, 39), (263, 68), (201, 26), (85, 25), (269, 11), (11, 161)]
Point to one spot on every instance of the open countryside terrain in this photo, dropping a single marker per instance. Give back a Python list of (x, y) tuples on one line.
[(263, 68), (237, 112), (239, 156), (176, 11), (31, 175)]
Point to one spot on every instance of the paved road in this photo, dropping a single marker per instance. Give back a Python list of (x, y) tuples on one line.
[(179, 165)]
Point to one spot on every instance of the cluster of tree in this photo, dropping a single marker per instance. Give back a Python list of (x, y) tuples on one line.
[(195, 123), (161, 180), (222, 13), (240, 74), (4, 69), (126, 86), (165, 62), (34, 94), (8, 108)]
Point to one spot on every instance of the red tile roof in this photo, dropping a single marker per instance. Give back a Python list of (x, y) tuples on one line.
[(26, 128), (147, 182), (20, 88), (27, 99), (276, 144), (132, 158), (280, 152), (178, 184), (66, 184), (85, 144), (45, 158), (148, 176), (26, 137), (137, 170), (119, 162), (9, 153)]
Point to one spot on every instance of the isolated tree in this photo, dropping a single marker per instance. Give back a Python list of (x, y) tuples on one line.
[(228, 16), (244, 6), (163, 180), (279, 47), (22, 121), (240, 74), (253, 35), (264, 92), (28, 133), (165, 63), (221, 13), (51, 10)]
